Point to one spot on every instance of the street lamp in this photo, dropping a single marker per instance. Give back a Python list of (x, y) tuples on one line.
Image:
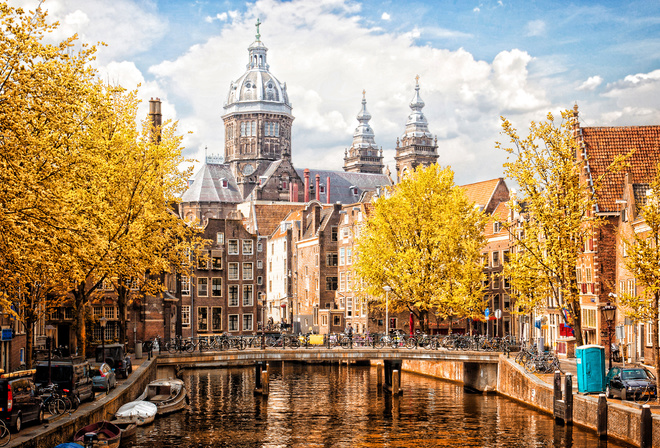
[(387, 290), (49, 346), (103, 321), (609, 311), (263, 321)]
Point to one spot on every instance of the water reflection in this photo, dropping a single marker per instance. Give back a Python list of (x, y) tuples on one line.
[(340, 406)]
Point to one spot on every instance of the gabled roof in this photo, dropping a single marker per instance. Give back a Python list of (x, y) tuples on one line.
[(269, 215), (603, 144), (341, 183), (501, 214), (207, 185), (481, 193)]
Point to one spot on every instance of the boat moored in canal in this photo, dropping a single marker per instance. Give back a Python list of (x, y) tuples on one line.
[(139, 412), (100, 434), (169, 395)]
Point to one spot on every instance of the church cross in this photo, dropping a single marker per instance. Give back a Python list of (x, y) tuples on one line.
[(257, 25), (417, 79)]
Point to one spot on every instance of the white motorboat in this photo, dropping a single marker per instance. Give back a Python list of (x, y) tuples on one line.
[(168, 395), (140, 412)]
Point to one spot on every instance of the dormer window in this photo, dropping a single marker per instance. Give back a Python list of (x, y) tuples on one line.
[(354, 190), (321, 189), (224, 182)]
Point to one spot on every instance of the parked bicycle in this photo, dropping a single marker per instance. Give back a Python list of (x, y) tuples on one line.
[(5, 434), (179, 344), (53, 402)]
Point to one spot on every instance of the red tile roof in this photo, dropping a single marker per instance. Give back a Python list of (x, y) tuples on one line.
[(603, 144)]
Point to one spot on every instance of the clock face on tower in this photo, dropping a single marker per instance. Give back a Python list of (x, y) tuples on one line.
[(248, 169)]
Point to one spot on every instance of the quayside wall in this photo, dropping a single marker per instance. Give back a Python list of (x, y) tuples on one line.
[(63, 428), (623, 422)]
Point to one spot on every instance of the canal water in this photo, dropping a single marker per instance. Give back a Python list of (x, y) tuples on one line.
[(339, 406)]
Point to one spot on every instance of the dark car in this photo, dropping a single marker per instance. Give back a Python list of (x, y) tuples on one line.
[(19, 401), (116, 358), (629, 383), (71, 375), (103, 377)]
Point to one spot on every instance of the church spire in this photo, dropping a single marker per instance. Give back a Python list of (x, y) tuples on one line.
[(363, 156), (417, 145)]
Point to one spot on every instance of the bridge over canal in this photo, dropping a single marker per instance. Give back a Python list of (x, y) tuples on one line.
[(475, 369)]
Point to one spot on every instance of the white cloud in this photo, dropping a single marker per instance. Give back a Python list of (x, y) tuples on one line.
[(385, 16), (221, 17), (536, 28), (591, 83), (476, 9)]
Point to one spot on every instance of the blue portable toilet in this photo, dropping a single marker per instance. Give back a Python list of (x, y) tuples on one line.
[(590, 368)]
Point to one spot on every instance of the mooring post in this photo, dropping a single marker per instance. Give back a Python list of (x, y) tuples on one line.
[(568, 398), (646, 428), (265, 383), (258, 368), (396, 382), (601, 426), (379, 375), (556, 388)]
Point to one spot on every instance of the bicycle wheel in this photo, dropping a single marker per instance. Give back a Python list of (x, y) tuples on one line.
[(5, 435), (171, 346), (294, 343), (189, 346), (68, 402), (411, 343), (242, 344), (56, 406)]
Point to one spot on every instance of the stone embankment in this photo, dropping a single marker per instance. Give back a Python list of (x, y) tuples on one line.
[(61, 429), (623, 422)]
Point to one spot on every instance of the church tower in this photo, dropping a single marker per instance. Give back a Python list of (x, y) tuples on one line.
[(363, 156), (417, 146), (257, 120)]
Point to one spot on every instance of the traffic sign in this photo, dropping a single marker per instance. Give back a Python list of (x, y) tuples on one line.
[(498, 314)]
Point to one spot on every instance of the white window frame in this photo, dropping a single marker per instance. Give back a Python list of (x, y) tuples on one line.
[(248, 271), (232, 247), (185, 316), (248, 322), (247, 247), (248, 295), (185, 285), (202, 291), (229, 323), (235, 275)]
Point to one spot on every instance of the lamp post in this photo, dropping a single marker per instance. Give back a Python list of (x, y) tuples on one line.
[(103, 321), (49, 346), (609, 311), (263, 321), (387, 290)]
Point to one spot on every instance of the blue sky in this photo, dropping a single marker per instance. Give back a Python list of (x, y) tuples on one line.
[(477, 61)]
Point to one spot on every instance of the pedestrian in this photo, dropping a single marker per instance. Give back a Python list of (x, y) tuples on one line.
[(349, 331)]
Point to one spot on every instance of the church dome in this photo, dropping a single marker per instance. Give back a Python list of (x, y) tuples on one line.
[(257, 90)]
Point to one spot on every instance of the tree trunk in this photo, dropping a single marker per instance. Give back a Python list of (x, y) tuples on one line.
[(29, 344), (654, 332), (122, 304), (80, 335)]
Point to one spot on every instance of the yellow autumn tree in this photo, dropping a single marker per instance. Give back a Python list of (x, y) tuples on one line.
[(643, 262), (42, 118), (424, 241), (556, 215)]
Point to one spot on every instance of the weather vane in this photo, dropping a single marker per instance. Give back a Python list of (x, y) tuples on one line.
[(257, 25), (417, 79)]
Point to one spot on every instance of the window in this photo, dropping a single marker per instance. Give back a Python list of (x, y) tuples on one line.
[(346, 232), (497, 227), (496, 281), (247, 322), (232, 247), (342, 281), (247, 295), (216, 318), (331, 259), (348, 280), (342, 256), (107, 285), (260, 280), (336, 321), (202, 318), (333, 233), (589, 318), (232, 271), (219, 238), (260, 246), (109, 312), (331, 283), (507, 282), (484, 259), (496, 259), (316, 260), (260, 264), (631, 288), (324, 320), (486, 280), (216, 259), (247, 247), (247, 271), (185, 315), (232, 325), (233, 295), (579, 274), (202, 287), (507, 302), (98, 310), (505, 256), (349, 259), (588, 275), (216, 286), (185, 285)]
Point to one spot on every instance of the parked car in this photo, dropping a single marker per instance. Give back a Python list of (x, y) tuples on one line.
[(103, 377), (628, 382), (70, 375), (19, 401), (116, 358)]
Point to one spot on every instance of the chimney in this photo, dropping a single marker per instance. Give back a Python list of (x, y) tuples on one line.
[(306, 184), (295, 192), (291, 192), (318, 187), (156, 119), (317, 217), (327, 192)]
